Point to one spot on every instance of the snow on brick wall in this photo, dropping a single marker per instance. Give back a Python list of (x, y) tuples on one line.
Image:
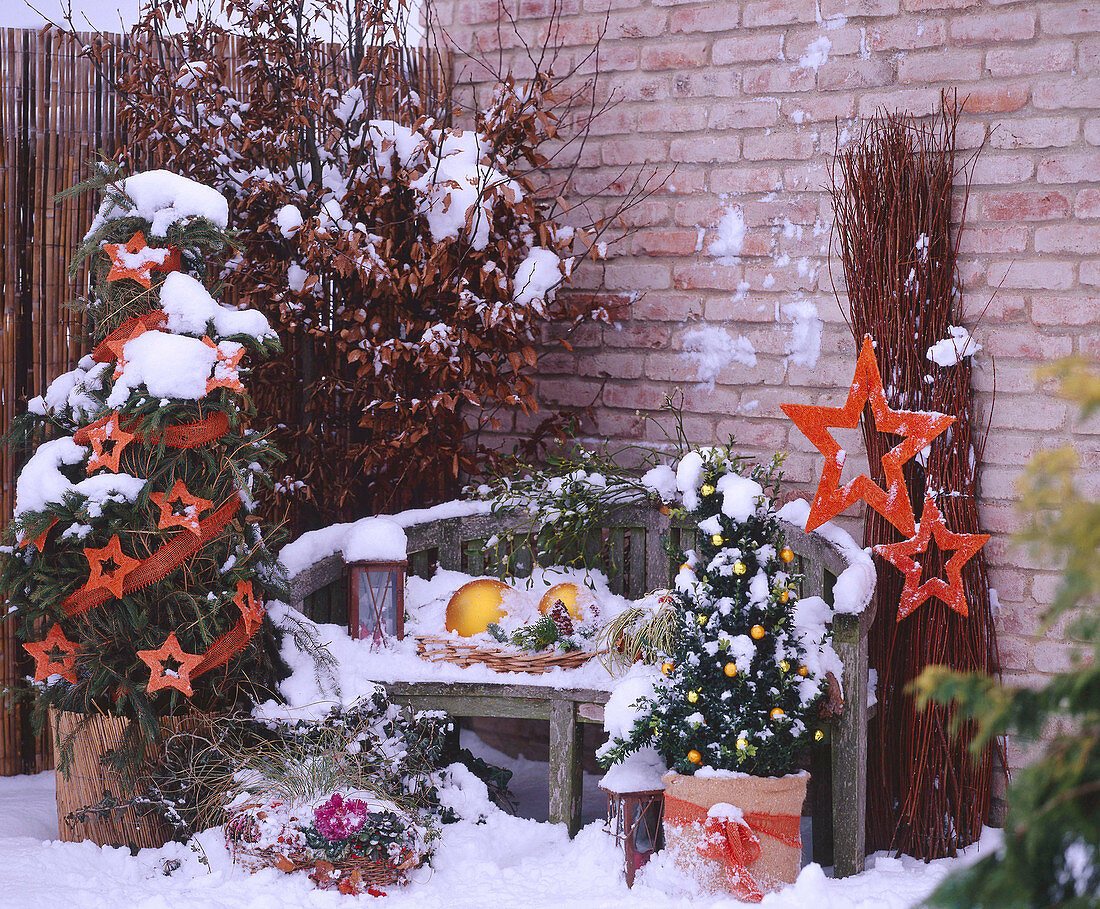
[(746, 99)]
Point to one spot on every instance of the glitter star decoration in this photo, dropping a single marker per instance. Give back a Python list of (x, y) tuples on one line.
[(109, 567), (252, 610), (163, 676), (56, 655), (178, 508), (226, 367), (917, 429), (932, 527), (108, 440), (137, 261)]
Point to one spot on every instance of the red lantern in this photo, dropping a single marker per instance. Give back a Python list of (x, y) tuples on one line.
[(634, 819), (376, 601)]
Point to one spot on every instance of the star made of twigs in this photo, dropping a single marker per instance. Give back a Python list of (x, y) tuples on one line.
[(225, 368), (56, 655), (162, 677), (900, 555), (137, 261), (252, 609), (108, 439), (178, 508), (918, 429), (109, 567)]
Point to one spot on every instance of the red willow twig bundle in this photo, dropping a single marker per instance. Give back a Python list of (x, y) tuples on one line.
[(892, 195)]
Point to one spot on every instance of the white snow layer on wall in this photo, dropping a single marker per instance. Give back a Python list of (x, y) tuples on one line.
[(958, 344), (804, 344), (731, 237), (714, 349), (815, 54)]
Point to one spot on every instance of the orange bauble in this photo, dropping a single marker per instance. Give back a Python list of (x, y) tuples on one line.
[(475, 605), (565, 592), (694, 756)]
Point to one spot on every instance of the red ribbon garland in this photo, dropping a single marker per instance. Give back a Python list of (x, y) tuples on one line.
[(734, 845)]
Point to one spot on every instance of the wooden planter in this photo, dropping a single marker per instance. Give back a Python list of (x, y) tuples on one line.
[(709, 851), (88, 782)]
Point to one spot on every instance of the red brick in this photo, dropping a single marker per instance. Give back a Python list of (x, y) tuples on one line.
[(761, 80), (611, 365), (987, 27), (907, 34), (744, 180), (634, 151), (743, 115), (1024, 205), (922, 5), (1070, 19), (940, 66), (1036, 132), (635, 396), (779, 146), (707, 277), (571, 392), (993, 239), (679, 118), (995, 99), (1088, 55), (861, 8), (674, 55), (713, 82), (718, 18), (636, 276), (667, 306), (722, 149), (1045, 57), (997, 169), (1092, 131), (1080, 167), (778, 12), (835, 75), (747, 49), (1037, 274), (1090, 273), (612, 58), (820, 108), (807, 178), (1067, 92), (917, 101), (1025, 412), (1068, 238), (1087, 203), (1063, 310), (667, 243)]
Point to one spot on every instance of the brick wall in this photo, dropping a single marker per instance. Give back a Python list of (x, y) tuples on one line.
[(747, 98)]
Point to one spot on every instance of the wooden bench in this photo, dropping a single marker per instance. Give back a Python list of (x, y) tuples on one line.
[(631, 550)]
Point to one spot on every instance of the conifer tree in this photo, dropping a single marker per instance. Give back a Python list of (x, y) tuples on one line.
[(744, 682), (134, 571)]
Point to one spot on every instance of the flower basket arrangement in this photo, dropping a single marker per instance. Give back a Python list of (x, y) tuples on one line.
[(345, 843), (499, 659)]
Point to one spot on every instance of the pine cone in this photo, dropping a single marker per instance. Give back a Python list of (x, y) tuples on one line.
[(562, 620)]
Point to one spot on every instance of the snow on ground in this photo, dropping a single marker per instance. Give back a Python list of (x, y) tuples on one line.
[(504, 861)]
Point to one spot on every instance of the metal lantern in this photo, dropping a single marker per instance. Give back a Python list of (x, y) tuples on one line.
[(634, 819), (376, 601)]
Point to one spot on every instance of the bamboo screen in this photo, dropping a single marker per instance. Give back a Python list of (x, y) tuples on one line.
[(56, 115)]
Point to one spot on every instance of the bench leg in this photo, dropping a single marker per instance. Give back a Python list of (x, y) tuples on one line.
[(565, 766), (850, 752)]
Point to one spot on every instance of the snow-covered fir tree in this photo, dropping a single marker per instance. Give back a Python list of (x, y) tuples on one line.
[(134, 570), (741, 690)]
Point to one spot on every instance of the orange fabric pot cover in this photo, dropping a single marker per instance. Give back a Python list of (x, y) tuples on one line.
[(760, 854)]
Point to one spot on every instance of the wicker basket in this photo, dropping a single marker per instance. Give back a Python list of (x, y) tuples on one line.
[(448, 650), (354, 875)]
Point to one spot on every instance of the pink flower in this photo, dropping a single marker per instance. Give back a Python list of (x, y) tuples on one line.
[(337, 819)]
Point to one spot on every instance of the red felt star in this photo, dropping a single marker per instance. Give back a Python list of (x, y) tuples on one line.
[(56, 655), (39, 542), (252, 610), (917, 428), (225, 369), (136, 261), (108, 439), (964, 545), (160, 677), (109, 567), (179, 508)]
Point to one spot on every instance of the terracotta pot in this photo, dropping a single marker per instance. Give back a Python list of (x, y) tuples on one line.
[(771, 805), (88, 781)]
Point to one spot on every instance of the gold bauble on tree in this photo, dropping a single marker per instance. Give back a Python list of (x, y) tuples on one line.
[(757, 632), (692, 696), (742, 744), (567, 593), (784, 596), (707, 489), (803, 671), (701, 619), (695, 757), (716, 539), (730, 669), (475, 605), (818, 735), (786, 554), (667, 668), (739, 567), (784, 666), (778, 712)]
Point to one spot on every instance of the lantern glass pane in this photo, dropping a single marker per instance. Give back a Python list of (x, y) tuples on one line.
[(378, 602)]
